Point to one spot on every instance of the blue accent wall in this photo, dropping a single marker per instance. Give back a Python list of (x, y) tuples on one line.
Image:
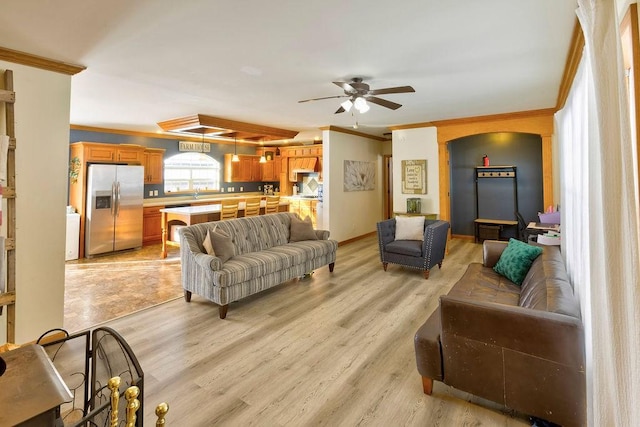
[(496, 194), (171, 146)]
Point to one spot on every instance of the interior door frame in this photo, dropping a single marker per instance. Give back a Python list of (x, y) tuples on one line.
[(538, 122), (387, 186)]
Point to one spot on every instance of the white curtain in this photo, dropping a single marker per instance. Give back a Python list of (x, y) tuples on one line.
[(600, 219)]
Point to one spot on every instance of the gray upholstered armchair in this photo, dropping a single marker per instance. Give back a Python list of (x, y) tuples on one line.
[(417, 254)]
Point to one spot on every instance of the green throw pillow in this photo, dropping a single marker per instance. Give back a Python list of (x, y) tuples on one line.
[(516, 260)]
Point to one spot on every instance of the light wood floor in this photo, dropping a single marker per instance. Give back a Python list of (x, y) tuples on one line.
[(335, 349)]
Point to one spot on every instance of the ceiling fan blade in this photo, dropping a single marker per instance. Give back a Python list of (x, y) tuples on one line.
[(383, 102), (399, 89), (345, 86), (340, 110), (324, 97)]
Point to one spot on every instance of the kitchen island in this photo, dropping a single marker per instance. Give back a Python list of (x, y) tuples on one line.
[(190, 215)]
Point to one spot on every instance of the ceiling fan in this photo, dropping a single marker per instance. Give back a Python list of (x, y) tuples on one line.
[(359, 93)]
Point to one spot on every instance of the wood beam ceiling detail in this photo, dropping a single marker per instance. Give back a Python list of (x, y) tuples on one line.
[(199, 124)]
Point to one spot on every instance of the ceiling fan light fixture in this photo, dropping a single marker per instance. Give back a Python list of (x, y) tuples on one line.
[(358, 93), (361, 105), (347, 105)]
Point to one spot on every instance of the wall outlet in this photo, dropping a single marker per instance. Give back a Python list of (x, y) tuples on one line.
[(150, 193), (222, 189), (259, 187), (241, 188), (155, 192)]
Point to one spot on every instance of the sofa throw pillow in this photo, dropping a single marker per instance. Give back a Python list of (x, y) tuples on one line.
[(300, 230), (208, 246), (516, 259), (222, 245), (410, 228)]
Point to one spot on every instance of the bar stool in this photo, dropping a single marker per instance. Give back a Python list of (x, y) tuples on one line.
[(273, 202), (252, 206), (229, 209)]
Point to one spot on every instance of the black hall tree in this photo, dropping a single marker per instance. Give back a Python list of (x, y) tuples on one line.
[(522, 150)]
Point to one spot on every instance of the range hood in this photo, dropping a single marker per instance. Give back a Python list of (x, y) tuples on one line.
[(302, 165)]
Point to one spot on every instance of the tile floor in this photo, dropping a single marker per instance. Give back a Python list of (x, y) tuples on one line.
[(107, 287)]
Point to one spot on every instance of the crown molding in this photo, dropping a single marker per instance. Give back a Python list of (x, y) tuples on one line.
[(30, 60), (478, 119), (571, 65), (354, 132)]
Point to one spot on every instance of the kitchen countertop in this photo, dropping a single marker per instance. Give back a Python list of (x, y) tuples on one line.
[(183, 200), (204, 209), (300, 197)]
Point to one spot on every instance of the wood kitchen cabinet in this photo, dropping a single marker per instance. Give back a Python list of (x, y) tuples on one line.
[(314, 150), (268, 171), (300, 156), (96, 152), (256, 169), (151, 225), (129, 154), (271, 170), (153, 165), (246, 170)]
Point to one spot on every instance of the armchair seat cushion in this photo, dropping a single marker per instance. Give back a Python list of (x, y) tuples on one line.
[(405, 247)]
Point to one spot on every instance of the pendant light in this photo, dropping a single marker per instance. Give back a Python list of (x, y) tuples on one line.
[(235, 157), (263, 159)]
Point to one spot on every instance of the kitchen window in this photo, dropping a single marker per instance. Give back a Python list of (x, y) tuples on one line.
[(189, 172)]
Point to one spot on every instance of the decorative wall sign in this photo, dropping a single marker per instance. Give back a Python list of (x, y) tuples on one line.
[(414, 176), (359, 176), (198, 147)]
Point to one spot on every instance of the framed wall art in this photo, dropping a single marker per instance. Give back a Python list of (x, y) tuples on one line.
[(414, 177), (359, 176)]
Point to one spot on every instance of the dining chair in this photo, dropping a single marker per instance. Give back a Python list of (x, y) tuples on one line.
[(252, 206), (273, 203), (229, 209)]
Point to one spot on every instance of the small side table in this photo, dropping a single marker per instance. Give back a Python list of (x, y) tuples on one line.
[(32, 388), (425, 215)]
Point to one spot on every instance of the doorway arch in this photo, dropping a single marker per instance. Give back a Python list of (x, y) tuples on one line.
[(538, 122)]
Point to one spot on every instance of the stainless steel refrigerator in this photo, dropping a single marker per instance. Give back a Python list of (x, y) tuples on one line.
[(113, 218)]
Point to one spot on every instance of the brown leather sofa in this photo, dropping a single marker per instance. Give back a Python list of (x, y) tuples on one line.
[(520, 346)]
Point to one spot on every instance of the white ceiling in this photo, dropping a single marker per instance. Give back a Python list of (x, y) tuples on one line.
[(253, 60)]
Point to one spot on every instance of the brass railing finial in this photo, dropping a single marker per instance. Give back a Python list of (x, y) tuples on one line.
[(133, 404)]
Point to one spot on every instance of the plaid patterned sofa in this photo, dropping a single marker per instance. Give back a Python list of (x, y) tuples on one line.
[(263, 258)]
